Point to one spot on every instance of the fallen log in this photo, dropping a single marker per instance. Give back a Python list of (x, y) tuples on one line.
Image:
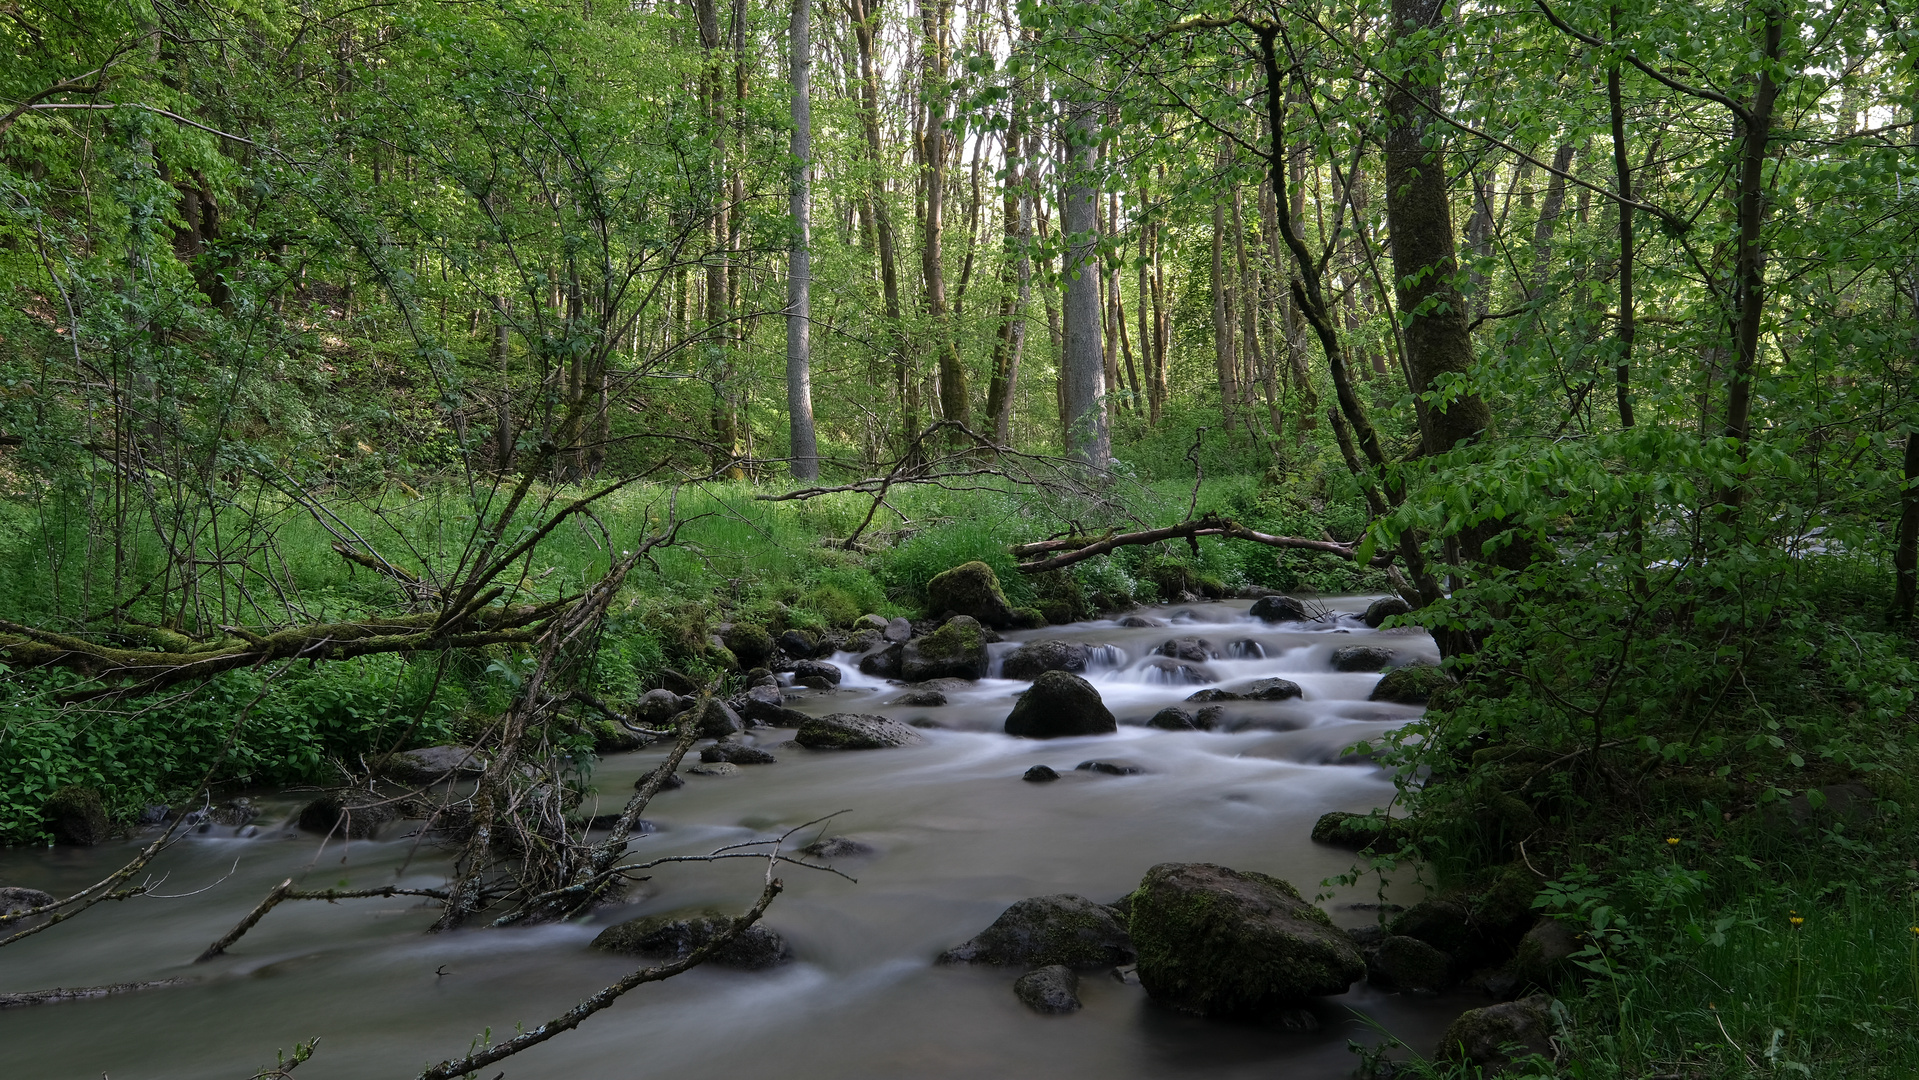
[(1072, 549)]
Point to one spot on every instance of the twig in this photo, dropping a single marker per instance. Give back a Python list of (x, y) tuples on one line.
[(284, 891), (81, 993)]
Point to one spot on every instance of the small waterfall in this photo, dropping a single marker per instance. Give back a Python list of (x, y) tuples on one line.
[(1105, 656), (1245, 649)]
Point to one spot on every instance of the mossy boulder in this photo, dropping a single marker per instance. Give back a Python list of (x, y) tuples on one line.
[(347, 815), (1410, 685), (751, 645), (77, 815), (1031, 660), (1172, 718), (1356, 832), (1494, 1037), (1221, 942), (1384, 608), (957, 650), (818, 674), (1198, 650), (1544, 956), (1273, 689), (1362, 658), (1061, 929), (884, 663), (799, 644), (715, 719), (970, 589), (855, 731), (431, 764), (1060, 703), (675, 936), (611, 738), (737, 754), (1407, 963)]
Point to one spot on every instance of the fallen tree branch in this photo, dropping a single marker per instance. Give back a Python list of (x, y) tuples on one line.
[(82, 993), (284, 891), (567, 1021), (1074, 549)]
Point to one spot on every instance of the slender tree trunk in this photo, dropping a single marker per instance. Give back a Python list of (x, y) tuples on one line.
[(1223, 321), (1549, 210), (1017, 271), (1425, 267), (1082, 369), (865, 33), (1622, 176), (799, 280), (935, 29), (1749, 271)]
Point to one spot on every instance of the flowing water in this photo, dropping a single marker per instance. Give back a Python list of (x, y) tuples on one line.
[(957, 836)]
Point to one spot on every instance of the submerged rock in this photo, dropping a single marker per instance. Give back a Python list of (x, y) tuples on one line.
[(1480, 1036), (714, 768), (855, 731), (1209, 718), (1213, 693), (350, 815), (1063, 929), (1060, 703), (14, 898), (76, 815), (956, 650), (1172, 718), (1384, 608), (1035, 658), (737, 753), (1053, 989), (970, 589), (836, 847), (1220, 942), (1245, 649), (672, 781), (1110, 768), (1171, 672), (922, 699), (674, 936), (1279, 609), (1361, 658), (1198, 650), (1270, 690), (1410, 685), (1141, 622), (1039, 774)]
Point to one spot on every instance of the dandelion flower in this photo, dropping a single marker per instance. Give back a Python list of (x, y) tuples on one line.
[(1673, 840), (1798, 920)]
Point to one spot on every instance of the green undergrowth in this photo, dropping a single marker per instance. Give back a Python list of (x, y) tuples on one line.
[(1686, 768)]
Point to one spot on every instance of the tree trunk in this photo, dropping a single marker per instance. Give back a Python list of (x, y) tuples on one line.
[(799, 279), (935, 28), (1549, 211), (865, 33), (1017, 222), (1425, 266), (1223, 321), (1082, 369)]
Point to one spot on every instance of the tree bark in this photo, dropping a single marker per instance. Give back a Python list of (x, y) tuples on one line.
[(865, 33), (1083, 371), (1425, 263), (935, 29), (799, 279), (1223, 321)]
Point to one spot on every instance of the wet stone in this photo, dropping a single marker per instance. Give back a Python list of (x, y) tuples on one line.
[(1197, 650), (1053, 989), (1279, 609), (1140, 622), (1172, 719), (715, 768), (1170, 672), (836, 847), (1110, 768), (14, 898), (1040, 774), (1213, 694), (1270, 690), (1245, 649), (737, 753), (1361, 658)]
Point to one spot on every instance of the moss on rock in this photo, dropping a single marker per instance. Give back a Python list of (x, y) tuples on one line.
[(970, 589), (76, 815), (1041, 930), (1413, 685), (957, 650), (1222, 942)]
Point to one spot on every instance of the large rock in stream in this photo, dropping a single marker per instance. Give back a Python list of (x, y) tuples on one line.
[(1060, 703), (1220, 942), (1063, 929), (855, 731), (957, 650), (1480, 1037), (15, 898), (1035, 658), (77, 815), (1279, 609)]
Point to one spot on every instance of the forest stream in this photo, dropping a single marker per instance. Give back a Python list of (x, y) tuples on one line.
[(956, 836)]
